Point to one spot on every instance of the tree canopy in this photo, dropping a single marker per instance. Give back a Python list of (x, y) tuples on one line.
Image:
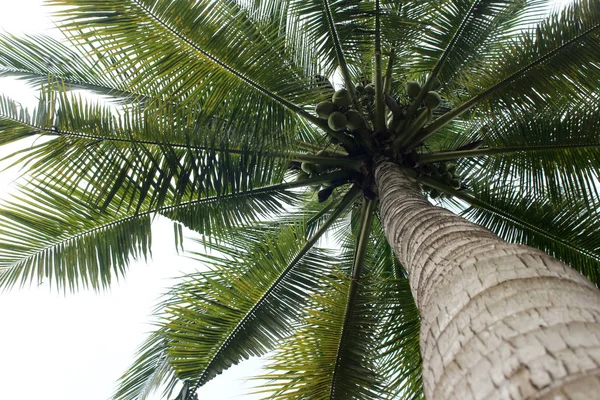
[(217, 115)]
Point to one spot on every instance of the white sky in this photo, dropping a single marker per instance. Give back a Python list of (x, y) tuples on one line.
[(74, 347), (54, 347)]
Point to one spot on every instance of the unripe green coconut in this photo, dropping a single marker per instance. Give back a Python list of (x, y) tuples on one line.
[(451, 168), (307, 167), (325, 108), (360, 89), (370, 89), (455, 183), (354, 118), (434, 194), (443, 167), (321, 168), (412, 89), (341, 98), (337, 121), (447, 177), (432, 100)]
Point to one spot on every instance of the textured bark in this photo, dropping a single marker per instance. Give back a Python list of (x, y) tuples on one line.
[(499, 321)]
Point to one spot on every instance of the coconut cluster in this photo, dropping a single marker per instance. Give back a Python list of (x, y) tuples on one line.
[(432, 99), (308, 169), (441, 172), (338, 113)]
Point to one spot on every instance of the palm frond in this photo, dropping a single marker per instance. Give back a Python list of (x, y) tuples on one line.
[(555, 59), (38, 59), (214, 216), (177, 59), (331, 356), (463, 32), (247, 303), (150, 371), (552, 152), (55, 235), (399, 347), (142, 152), (331, 28)]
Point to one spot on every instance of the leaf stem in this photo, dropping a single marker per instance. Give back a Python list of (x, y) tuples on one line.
[(344, 203), (379, 104), (367, 213), (453, 155), (456, 112), (339, 52)]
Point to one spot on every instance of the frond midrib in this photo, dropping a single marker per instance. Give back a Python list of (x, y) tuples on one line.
[(452, 155), (347, 200), (366, 224), (67, 80), (450, 115), (166, 26)]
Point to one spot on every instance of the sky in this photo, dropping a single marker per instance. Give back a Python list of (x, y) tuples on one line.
[(73, 347)]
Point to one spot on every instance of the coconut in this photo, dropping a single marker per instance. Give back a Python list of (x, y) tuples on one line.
[(412, 89), (434, 194), (432, 100), (370, 89), (341, 98), (360, 89), (325, 108), (354, 118), (337, 121), (307, 167), (452, 167)]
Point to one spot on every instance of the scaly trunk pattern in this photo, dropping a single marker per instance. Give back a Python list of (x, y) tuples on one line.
[(498, 320)]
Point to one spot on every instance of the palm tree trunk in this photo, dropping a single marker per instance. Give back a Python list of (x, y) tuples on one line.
[(498, 320)]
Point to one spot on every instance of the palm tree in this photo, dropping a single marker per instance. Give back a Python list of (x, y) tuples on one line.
[(223, 116)]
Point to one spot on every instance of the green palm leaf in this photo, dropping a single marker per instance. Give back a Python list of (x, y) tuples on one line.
[(245, 304), (543, 64), (331, 356), (183, 61), (55, 235), (549, 151), (38, 59), (399, 350), (150, 372), (144, 153)]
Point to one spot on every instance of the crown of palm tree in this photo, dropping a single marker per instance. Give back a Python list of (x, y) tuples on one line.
[(209, 117)]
